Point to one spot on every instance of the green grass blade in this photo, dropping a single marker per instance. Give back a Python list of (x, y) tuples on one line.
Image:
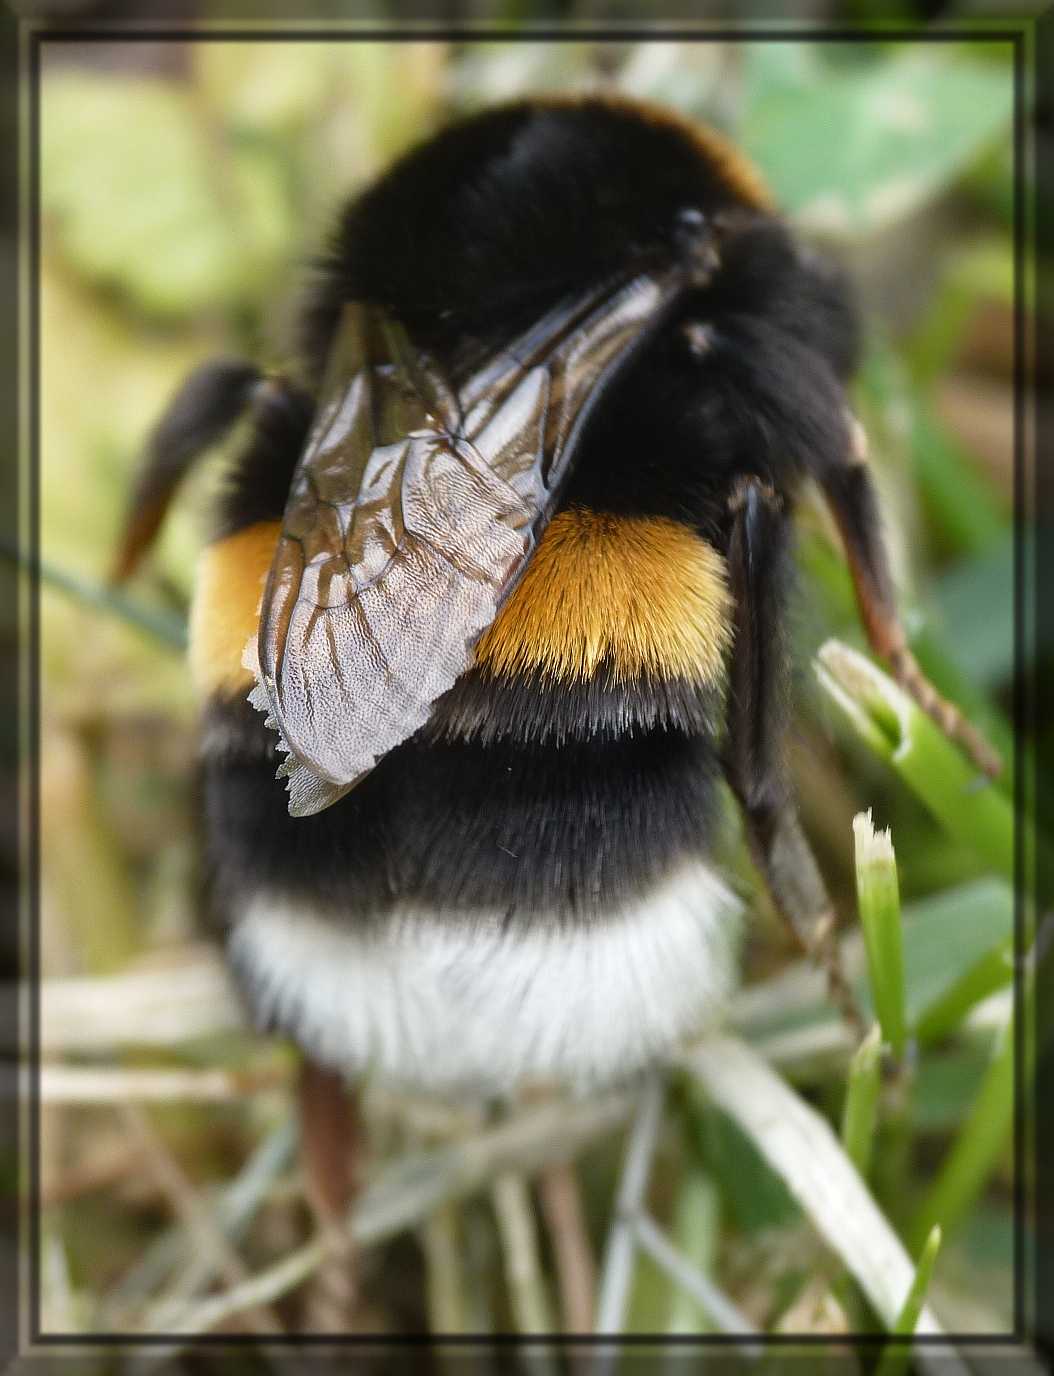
[(897, 730), (879, 901), (861, 1101), (167, 627), (695, 1231), (895, 1358), (992, 972)]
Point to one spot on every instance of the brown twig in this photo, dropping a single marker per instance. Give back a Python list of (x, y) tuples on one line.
[(561, 1200)]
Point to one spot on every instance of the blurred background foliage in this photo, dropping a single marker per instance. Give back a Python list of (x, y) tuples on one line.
[(184, 188)]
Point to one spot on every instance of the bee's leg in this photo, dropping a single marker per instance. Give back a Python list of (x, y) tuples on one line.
[(330, 1146), (208, 403), (851, 495), (759, 570)]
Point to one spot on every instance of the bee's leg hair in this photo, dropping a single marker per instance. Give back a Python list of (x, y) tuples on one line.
[(759, 573)]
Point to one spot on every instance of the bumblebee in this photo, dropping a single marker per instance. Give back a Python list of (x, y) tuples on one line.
[(498, 587)]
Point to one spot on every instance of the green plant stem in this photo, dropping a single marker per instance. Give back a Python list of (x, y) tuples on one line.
[(879, 900)]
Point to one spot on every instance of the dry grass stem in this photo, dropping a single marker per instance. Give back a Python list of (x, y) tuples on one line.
[(441, 1240), (233, 1208), (195, 1214), (726, 1316), (561, 1199), (802, 1148), (411, 1189), (616, 1274), (140, 1007), (518, 1231), (65, 1084)]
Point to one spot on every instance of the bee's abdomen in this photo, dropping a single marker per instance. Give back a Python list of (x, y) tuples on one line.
[(545, 833), (564, 833), (528, 886), (574, 766)]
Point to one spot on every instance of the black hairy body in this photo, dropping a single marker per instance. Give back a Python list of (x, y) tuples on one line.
[(567, 783), (457, 827)]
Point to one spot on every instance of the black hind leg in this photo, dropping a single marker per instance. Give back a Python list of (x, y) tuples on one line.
[(201, 413), (798, 423), (850, 492), (759, 570)]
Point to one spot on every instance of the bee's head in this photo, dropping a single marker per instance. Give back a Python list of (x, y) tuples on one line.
[(480, 230)]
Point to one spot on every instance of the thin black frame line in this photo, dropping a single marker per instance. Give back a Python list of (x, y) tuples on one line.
[(933, 1342), (16, 1007), (140, 32), (1019, 753), (34, 703), (38, 36)]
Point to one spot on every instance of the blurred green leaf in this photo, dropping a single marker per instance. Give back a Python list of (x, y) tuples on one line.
[(755, 1195), (964, 507), (944, 1088), (981, 270), (264, 87), (946, 936), (976, 603), (147, 197), (848, 152), (992, 972)]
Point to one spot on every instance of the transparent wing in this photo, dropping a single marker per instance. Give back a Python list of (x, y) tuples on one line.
[(411, 515)]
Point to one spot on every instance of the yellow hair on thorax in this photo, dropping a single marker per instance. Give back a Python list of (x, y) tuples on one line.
[(642, 594), (225, 611)]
